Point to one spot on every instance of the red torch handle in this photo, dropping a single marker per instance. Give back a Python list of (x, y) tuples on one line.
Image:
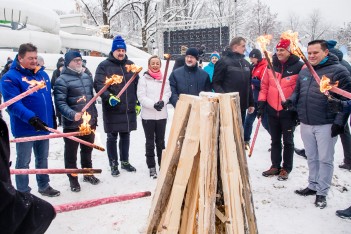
[(95, 97), (127, 84), (255, 137), (54, 171), (164, 78), (97, 202)]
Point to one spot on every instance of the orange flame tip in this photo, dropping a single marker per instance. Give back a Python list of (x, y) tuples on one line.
[(325, 84), (167, 56), (33, 83)]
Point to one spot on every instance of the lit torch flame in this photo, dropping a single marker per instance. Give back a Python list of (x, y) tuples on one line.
[(325, 84), (84, 128), (263, 41), (294, 42), (115, 79), (166, 56), (133, 68), (33, 83), (82, 99)]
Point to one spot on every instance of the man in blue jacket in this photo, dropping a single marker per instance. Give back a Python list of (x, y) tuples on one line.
[(30, 116), (189, 79)]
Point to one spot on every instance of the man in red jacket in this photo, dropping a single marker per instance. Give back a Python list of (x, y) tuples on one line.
[(281, 122)]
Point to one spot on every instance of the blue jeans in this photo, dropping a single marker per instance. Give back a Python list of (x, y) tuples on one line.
[(250, 119), (24, 153), (111, 146)]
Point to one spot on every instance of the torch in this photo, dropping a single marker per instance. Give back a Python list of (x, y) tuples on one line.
[(255, 137), (130, 68), (115, 79), (168, 57), (295, 49), (87, 171), (263, 42), (34, 86), (44, 137)]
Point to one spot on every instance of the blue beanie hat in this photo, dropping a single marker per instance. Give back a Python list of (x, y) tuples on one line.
[(69, 56), (215, 54), (193, 52), (118, 43), (331, 44)]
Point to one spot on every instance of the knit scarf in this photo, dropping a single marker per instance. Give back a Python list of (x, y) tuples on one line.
[(155, 75)]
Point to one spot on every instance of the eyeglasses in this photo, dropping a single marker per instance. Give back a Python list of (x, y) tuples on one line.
[(77, 60)]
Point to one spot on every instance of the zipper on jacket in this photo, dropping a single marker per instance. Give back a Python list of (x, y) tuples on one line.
[(126, 97)]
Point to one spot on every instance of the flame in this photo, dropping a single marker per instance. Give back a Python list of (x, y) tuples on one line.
[(263, 41), (84, 128), (33, 83), (82, 99), (294, 42), (114, 79), (133, 68), (167, 56), (325, 84)]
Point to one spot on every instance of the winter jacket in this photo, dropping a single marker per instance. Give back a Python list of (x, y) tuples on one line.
[(340, 56), (286, 74), (122, 117), (179, 62), (6, 69), (258, 72), (149, 93), (232, 74), (36, 104), (19, 212), (312, 105), (56, 73), (188, 80), (72, 91), (210, 69)]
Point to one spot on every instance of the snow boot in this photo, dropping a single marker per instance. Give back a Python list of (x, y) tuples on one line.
[(345, 214), (321, 201), (345, 166), (91, 179), (283, 175), (153, 173), (114, 171), (271, 172), (305, 192), (74, 184), (49, 192), (127, 166)]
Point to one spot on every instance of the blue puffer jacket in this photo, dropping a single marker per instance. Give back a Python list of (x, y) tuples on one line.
[(210, 69), (36, 104), (188, 80), (72, 91), (312, 105)]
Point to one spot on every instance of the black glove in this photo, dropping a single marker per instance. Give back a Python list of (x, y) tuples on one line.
[(159, 105), (38, 124), (54, 121), (334, 105), (337, 129), (261, 106), (287, 105)]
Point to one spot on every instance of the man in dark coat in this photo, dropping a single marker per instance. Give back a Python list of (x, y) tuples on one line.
[(19, 212), (30, 116), (232, 74), (73, 90), (189, 79), (319, 127), (119, 115), (179, 62), (6, 69), (59, 66)]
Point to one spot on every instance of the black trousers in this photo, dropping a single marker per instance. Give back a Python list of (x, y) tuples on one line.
[(71, 149), (282, 127), (346, 144), (155, 134), (111, 146)]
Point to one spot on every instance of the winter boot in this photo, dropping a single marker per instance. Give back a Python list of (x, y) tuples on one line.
[(300, 152), (49, 192), (271, 172), (74, 184), (345, 166), (114, 171), (91, 179), (283, 175), (127, 166), (305, 192), (153, 173), (321, 201), (345, 214)]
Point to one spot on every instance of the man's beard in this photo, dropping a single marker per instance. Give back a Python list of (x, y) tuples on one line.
[(190, 64), (77, 69)]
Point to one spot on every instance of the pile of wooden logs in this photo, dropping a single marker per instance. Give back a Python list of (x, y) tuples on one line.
[(204, 185)]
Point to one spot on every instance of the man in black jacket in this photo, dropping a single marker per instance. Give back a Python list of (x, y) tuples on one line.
[(179, 62), (72, 91), (319, 127), (189, 79), (119, 115), (232, 74), (19, 212)]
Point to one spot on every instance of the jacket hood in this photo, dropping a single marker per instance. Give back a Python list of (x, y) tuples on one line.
[(337, 52)]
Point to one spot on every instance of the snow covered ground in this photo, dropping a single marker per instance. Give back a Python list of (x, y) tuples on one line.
[(278, 209)]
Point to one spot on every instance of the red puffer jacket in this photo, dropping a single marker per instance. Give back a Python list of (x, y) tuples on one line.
[(286, 74)]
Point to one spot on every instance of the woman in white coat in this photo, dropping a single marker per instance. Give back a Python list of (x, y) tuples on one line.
[(153, 111)]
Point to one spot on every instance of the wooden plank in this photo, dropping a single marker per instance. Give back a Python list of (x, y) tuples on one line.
[(244, 170), (232, 166), (209, 131), (188, 221), (221, 216), (189, 150), (169, 162)]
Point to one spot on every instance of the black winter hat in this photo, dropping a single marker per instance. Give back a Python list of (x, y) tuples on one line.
[(69, 56), (193, 52), (255, 53)]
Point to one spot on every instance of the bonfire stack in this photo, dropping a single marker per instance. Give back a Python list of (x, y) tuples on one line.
[(204, 185)]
